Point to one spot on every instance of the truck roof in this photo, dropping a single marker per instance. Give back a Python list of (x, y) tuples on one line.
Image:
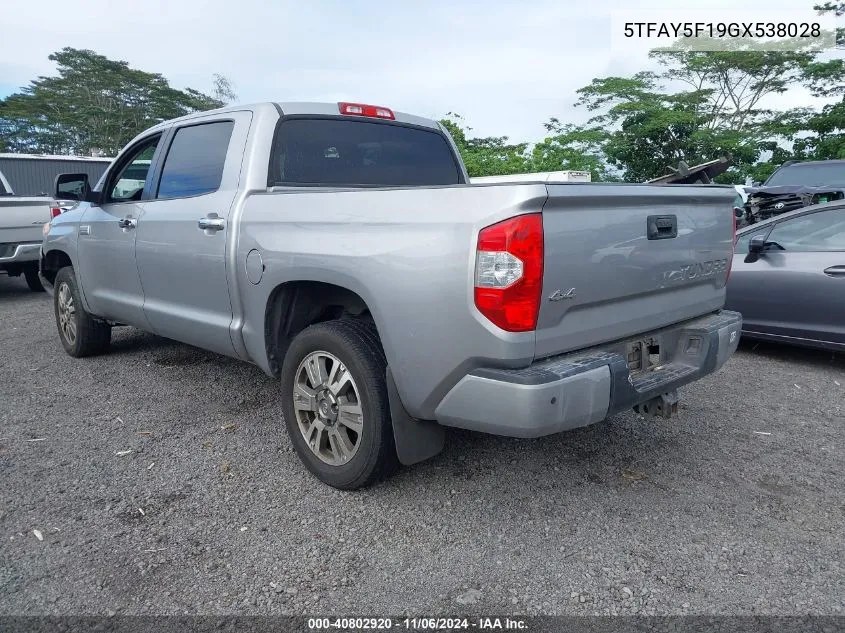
[(798, 163), (56, 157), (302, 107)]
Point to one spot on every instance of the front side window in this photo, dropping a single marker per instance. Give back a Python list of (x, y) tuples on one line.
[(822, 231), (194, 163), (132, 177)]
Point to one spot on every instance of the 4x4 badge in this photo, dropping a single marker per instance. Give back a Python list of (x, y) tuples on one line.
[(558, 295)]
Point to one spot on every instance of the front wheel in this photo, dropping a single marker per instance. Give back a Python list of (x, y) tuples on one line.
[(80, 333), (30, 273), (334, 400)]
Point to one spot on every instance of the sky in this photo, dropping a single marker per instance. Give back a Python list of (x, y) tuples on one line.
[(506, 67)]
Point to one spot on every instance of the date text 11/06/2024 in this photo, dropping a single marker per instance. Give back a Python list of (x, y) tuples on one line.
[(723, 29), (417, 624)]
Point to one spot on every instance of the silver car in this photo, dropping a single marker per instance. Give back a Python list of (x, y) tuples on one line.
[(788, 278)]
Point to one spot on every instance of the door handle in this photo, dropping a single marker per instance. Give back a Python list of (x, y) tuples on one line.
[(835, 271), (127, 223), (212, 222), (662, 227)]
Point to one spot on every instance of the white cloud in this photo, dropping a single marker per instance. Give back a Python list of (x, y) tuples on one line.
[(506, 67)]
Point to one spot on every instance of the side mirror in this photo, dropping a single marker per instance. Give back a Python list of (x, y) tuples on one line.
[(757, 244), (756, 183), (72, 187)]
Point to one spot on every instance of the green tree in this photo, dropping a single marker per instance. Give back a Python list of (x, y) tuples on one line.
[(223, 89), (93, 104), (702, 105), (646, 127), (820, 135), (838, 9), (488, 156), (572, 147)]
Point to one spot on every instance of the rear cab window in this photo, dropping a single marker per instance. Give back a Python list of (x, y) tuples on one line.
[(333, 152)]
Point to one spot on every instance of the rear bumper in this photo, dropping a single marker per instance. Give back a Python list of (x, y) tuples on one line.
[(20, 253), (581, 388)]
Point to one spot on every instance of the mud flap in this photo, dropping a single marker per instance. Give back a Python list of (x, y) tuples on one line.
[(416, 440)]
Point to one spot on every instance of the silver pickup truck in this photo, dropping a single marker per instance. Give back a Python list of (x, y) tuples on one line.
[(22, 219), (341, 248)]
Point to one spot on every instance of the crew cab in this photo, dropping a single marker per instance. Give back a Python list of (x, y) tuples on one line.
[(342, 249)]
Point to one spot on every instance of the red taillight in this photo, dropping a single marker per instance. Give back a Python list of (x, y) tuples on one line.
[(733, 245), (509, 272), (55, 212), (361, 109)]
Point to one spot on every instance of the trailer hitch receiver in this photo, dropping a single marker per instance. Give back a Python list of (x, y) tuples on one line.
[(664, 406)]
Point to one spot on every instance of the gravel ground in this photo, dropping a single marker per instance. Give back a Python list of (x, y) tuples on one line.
[(736, 506)]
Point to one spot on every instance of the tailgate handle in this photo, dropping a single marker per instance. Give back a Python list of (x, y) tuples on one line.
[(662, 227)]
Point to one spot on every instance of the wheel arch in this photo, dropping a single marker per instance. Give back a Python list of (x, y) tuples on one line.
[(52, 261), (294, 305)]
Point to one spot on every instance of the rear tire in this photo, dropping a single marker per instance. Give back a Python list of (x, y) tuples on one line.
[(30, 272), (80, 333), (333, 375)]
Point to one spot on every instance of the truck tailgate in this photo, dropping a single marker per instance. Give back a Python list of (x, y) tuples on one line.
[(621, 259), (21, 219)]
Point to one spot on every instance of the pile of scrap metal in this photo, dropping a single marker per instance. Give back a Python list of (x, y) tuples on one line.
[(699, 174)]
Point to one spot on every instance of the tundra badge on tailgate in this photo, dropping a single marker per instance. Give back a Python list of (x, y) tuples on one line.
[(698, 270)]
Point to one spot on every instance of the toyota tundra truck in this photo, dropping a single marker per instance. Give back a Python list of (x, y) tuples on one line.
[(21, 221), (343, 250)]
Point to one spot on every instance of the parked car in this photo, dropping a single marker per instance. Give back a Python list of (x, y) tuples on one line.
[(788, 278), (22, 219), (342, 248), (795, 185)]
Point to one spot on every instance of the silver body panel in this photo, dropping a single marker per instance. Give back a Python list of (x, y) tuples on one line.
[(408, 252)]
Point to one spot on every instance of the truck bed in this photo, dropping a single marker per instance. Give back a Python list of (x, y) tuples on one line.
[(22, 218), (409, 253)]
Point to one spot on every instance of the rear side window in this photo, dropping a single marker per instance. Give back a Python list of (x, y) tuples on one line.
[(810, 175), (334, 152), (194, 163)]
